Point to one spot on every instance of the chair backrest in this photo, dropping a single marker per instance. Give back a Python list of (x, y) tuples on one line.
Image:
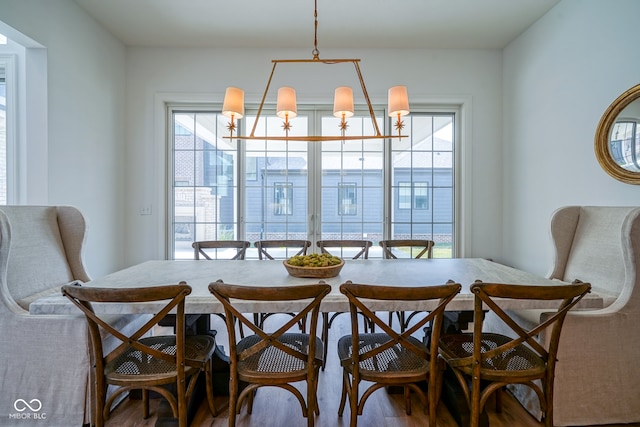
[(361, 296), (417, 248), (200, 248), (595, 244), (488, 295), (263, 245), (84, 297), (40, 250), (363, 245), (314, 293)]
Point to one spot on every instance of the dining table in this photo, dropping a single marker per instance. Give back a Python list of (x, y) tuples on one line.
[(390, 272)]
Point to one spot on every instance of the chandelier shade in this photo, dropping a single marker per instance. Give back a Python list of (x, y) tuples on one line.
[(286, 104), (233, 105), (343, 102), (398, 102)]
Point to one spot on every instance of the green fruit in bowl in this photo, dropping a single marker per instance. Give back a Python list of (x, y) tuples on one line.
[(314, 260)]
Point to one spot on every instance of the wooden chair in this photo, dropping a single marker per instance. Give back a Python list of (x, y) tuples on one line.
[(412, 248), (200, 248), (338, 246), (140, 361), (263, 253), (263, 245), (273, 358), (390, 358), (497, 360)]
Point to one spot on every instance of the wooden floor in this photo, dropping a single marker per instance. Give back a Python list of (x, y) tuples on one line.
[(274, 407)]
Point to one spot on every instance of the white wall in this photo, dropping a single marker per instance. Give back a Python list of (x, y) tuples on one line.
[(157, 75), (84, 164), (559, 78)]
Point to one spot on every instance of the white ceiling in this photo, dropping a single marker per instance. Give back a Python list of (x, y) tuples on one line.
[(474, 24)]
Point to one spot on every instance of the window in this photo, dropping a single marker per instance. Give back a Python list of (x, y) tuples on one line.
[(224, 189), (414, 196), (422, 177), (404, 195), (347, 200), (3, 138), (625, 144), (282, 197)]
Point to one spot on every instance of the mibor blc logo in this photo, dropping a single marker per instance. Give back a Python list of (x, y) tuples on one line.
[(28, 410)]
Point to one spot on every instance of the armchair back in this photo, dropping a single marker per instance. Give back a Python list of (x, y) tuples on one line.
[(598, 244)]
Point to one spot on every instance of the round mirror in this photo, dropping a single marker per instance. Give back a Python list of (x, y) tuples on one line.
[(617, 141)]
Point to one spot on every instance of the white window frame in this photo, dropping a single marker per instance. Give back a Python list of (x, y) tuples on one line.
[(460, 105), (8, 62)]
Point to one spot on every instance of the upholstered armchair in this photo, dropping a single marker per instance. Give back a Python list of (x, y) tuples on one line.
[(597, 377), (44, 361)]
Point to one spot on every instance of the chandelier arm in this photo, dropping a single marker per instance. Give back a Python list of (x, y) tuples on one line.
[(366, 97), (264, 96)]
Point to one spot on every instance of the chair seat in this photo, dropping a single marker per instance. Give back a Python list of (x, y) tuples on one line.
[(133, 365), (272, 360), (397, 362), (520, 359)]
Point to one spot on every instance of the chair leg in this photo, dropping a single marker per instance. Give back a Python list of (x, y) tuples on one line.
[(407, 400), (435, 390), (233, 400), (209, 380), (343, 397), (325, 337), (145, 403), (475, 403)]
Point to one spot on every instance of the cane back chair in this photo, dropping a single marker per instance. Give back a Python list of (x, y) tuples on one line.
[(389, 358), (209, 248), (273, 358), (338, 247), (140, 361), (300, 247), (411, 248), (264, 245), (498, 360)]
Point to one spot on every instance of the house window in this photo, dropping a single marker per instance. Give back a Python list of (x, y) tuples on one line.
[(347, 200), (282, 198), (404, 195), (421, 195), (414, 196)]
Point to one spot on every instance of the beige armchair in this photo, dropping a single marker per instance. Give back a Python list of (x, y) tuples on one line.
[(44, 361), (597, 373)]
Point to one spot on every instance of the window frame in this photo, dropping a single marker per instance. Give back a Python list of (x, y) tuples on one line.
[(460, 106)]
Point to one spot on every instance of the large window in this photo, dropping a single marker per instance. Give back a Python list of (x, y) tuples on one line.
[(224, 189)]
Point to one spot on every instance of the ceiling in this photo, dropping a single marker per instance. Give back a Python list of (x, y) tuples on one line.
[(447, 24)]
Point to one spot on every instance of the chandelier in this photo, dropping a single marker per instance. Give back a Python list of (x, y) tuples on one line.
[(286, 107)]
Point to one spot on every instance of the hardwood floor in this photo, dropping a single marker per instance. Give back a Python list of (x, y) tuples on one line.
[(274, 407)]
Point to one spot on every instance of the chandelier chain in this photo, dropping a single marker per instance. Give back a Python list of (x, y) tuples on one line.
[(315, 51)]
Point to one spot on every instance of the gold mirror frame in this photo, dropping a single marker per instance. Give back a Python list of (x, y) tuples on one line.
[(602, 138)]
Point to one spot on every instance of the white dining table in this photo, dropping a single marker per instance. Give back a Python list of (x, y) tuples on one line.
[(396, 272)]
